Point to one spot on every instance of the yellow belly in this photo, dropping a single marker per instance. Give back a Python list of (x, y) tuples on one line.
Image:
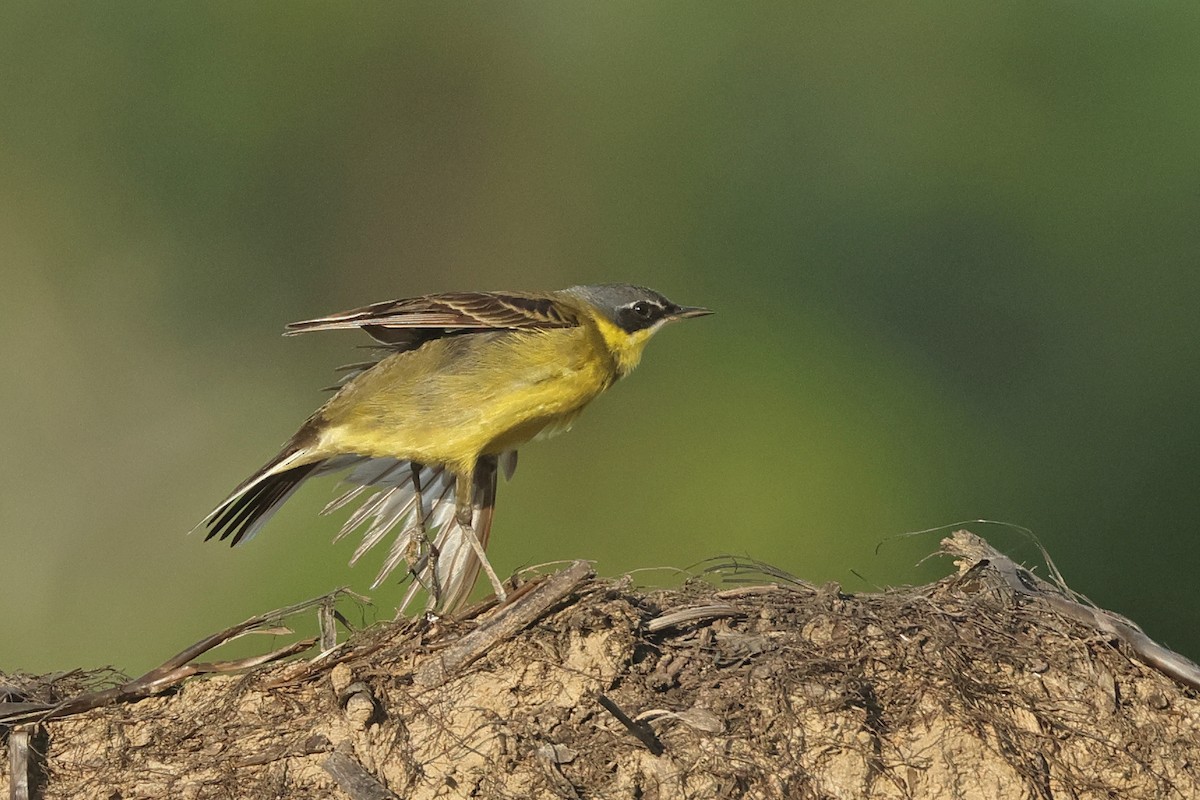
[(455, 399)]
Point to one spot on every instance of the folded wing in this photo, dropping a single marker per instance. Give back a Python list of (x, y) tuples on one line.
[(406, 324)]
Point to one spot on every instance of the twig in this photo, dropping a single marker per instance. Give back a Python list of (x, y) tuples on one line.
[(970, 547), (354, 779), (642, 732), (510, 620), (685, 616), (18, 764), (328, 626), (173, 671)]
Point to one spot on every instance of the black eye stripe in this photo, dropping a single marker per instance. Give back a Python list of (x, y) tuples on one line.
[(639, 315)]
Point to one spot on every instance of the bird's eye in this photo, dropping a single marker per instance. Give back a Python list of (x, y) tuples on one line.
[(643, 309)]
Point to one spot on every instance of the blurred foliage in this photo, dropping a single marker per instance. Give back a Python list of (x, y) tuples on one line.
[(953, 251)]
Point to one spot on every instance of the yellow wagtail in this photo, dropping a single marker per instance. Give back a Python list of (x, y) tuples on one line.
[(462, 380)]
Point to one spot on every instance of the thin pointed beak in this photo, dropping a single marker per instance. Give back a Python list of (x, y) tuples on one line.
[(691, 311)]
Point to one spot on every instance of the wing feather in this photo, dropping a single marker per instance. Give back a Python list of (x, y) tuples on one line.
[(410, 322), (457, 565), (391, 504)]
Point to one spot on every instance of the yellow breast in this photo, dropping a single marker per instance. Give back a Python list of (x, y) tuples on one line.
[(457, 398)]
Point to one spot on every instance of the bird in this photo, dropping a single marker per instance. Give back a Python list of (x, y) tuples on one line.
[(459, 382)]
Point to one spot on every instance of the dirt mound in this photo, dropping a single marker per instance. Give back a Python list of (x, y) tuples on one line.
[(971, 687)]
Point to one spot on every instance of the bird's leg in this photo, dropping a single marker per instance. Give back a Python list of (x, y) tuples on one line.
[(435, 589), (464, 512)]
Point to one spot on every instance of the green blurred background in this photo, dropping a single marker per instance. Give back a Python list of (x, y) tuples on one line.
[(953, 250)]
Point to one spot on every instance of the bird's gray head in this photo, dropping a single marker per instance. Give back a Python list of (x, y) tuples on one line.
[(634, 308)]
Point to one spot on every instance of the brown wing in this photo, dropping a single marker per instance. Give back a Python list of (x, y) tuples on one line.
[(405, 324)]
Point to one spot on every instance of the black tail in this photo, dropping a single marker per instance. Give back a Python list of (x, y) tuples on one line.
[(245, 511)]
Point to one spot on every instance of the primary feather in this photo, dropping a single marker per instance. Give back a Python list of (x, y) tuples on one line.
[(437, 314)]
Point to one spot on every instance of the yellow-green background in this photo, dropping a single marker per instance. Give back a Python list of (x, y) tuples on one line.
[(953, 248)]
